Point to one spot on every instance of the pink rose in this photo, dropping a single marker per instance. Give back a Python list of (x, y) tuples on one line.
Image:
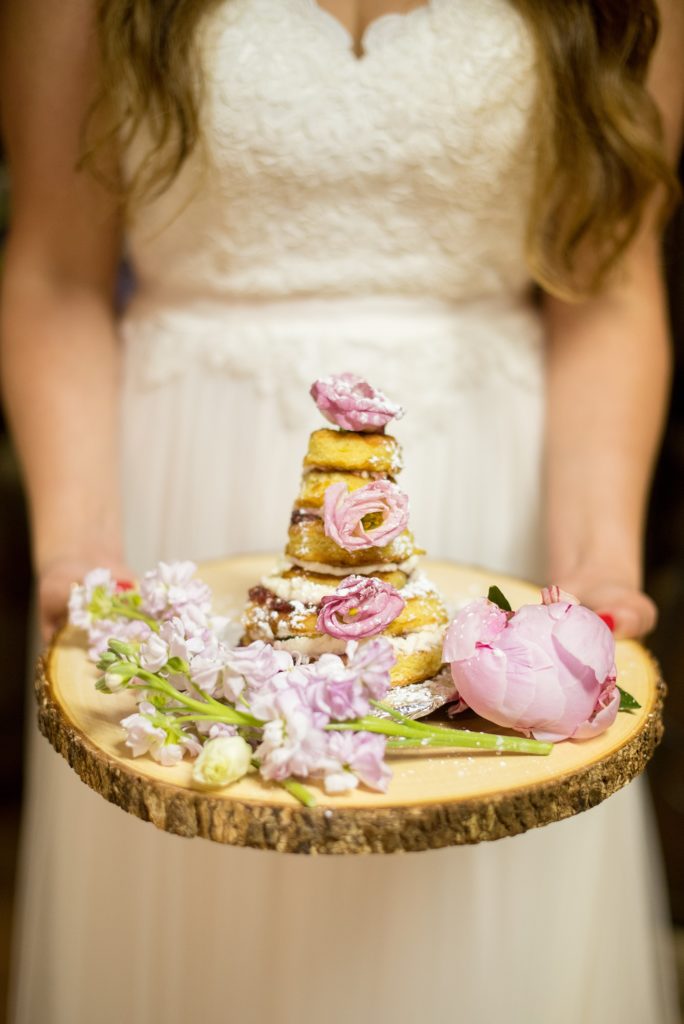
[(547, 669), (352, 403), (343, 514), (360, 607)]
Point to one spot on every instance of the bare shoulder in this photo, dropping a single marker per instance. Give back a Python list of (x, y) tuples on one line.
[(48, 70)]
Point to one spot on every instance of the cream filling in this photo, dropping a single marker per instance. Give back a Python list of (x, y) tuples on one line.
[(413, 643), (298, 588), (367, 474), (322, 568)]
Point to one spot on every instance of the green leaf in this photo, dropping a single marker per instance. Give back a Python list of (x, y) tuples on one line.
[(496, 597), (627, 701)]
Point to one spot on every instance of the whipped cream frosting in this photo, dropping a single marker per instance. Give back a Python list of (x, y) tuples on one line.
[(422, 640), (407, 566)]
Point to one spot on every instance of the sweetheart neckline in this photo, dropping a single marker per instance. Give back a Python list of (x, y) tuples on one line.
[(372, 31)]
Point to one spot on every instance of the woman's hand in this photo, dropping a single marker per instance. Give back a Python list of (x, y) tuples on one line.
[(628, 611), (54, 585)]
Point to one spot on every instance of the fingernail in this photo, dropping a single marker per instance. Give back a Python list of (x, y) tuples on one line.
[(608, 619), (124, 585)]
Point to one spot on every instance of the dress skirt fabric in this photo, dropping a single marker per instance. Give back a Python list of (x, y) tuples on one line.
[(120, 922)]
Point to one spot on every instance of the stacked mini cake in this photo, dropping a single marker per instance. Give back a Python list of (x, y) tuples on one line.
[(349, 571)]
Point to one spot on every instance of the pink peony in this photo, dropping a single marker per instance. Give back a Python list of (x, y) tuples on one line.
[(350, 402), (604, 713), (344, 512), (554, 594), (360, 607), (546, 670)]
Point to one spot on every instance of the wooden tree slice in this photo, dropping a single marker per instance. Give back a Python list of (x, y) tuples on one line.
[(433, 801)]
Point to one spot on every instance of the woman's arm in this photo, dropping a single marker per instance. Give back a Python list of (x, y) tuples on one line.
[(59, 348), (608, 380)]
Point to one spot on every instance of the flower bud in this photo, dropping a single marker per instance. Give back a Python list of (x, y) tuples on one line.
[(223, 760)]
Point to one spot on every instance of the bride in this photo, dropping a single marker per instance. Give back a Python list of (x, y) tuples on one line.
[(456, 200)]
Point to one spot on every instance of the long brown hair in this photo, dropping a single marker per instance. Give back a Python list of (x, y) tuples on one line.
[(600, 154)]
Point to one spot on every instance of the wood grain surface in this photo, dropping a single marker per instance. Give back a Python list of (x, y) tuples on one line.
[(433, 801)]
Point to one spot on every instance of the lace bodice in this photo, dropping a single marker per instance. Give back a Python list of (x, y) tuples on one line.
[(404, 172), (339, 204)]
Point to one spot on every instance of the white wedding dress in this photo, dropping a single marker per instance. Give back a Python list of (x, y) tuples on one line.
[(341, 214)]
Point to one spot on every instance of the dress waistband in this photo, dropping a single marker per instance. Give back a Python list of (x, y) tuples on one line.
[(314, 309), (285, 344)]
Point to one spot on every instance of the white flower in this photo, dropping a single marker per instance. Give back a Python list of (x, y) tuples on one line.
[(207, 666), (170, 754), (214, 729), (172, 587), (154, 653), (141, 735), (293, 743), (223, 760), (340, 781), (82, 594), (179, 644)]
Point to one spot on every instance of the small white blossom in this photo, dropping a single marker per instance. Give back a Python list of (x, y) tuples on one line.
[(222, 761), (172, 588), (82, 594), (141, 735), (340, 782), (154, 653)]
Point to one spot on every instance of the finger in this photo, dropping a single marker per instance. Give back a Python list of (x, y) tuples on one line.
[(634, 621)]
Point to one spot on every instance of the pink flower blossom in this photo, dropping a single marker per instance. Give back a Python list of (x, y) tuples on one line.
[(554, 595), (372, 662), (335, 689), (97, 589), (171, 587), (257, 664), (214, 729), (171, 753), (540, 670), (360, 607), (179, 644), (141, 735), (357, 757), (154, 652), (344, 512), (146, 733), (350, 402), (293, 743), (604, 713), (101, 631)]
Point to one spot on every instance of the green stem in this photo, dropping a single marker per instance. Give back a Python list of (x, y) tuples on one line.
[(127, 612), (369, 723), (474, 740), (296, 789), (396, 715), (418, 734), (300, 792), (222, 712)]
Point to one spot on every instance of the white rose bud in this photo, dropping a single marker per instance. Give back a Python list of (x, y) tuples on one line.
[(223, 760)]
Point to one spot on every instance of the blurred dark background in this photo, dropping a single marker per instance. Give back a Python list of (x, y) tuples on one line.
[(665, 582)]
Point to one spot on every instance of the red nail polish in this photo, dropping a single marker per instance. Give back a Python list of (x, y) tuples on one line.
[(608, 619), (124, 585)]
